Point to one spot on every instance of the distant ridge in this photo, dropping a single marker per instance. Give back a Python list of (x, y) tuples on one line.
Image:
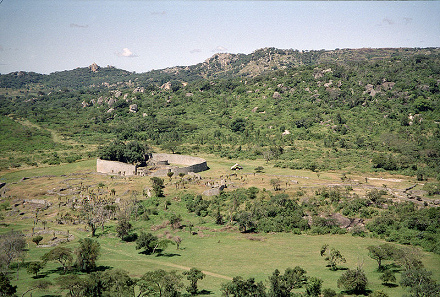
[(220, 65)]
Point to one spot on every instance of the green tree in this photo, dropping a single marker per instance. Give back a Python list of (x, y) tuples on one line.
[(38, 285), (388, 277), (157, 186), (37, 239), (61, 254), (124, 227), (419, 282), (295, 278), (193, 275), (35, 267), (381, 252), (313, 287), (333, 257), (73, 284), (239, 287), (354, 281), (12, 246), (276, 184), (170, 175), (87, 254), (117, 283), (6, 288), (151, 243), (160, 283), (147, 242)]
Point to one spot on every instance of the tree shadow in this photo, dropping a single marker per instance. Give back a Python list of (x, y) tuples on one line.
[(102, 268), (393, 267), (390, 285), (168, 255), (58, 270), (41, 275), (365, 293), (205, 292), (50, 295)]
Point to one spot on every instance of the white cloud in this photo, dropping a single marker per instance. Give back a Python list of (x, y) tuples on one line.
[(407, 20), (196, 50), (72, 25), (159, 13), (126, 53), (388, 21), (219, 49)]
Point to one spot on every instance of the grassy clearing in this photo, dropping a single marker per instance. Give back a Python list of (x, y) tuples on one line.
[(222, 254)]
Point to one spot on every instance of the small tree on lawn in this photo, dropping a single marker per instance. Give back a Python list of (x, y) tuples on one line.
[(6, 289), (380, 253), (37, 239), (35, 267), (387, 277), (160, 283), (124, 227), (354, 281), (151, 243), (170, 174), (193, 275), (313, 287), (157, 186), (87, 254), (37, 285), (276, 184), (62, 255), (333, 257)]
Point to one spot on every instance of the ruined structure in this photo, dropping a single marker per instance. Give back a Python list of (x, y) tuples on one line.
[(157, 165)]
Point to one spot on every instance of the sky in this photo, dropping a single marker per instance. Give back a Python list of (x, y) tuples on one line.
[(45, 36)]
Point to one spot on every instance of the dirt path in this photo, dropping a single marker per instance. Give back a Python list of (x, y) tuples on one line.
[(55, 136), (168, 264)]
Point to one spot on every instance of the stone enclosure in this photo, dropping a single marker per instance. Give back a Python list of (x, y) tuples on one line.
[(157, 165)]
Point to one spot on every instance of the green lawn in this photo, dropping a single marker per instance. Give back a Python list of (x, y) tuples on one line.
[(223, 255)]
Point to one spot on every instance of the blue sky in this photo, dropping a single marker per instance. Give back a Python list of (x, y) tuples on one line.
[(54, 35)]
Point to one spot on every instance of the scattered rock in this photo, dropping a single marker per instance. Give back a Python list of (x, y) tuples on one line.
[(94, 67), (133, 108)]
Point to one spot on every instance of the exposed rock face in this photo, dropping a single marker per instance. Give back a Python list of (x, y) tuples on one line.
[(84, 104), (111, 102), (224, 59), (94, 67), (276, 95), (133, 108), (388, 85), (166, 86), (138, 90), (118, 93)]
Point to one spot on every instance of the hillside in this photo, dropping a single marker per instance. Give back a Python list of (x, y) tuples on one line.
[(340, 157), (221, 65), (348, 109)]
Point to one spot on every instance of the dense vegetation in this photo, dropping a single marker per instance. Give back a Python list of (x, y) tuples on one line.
[(343, 111), (380, 114)]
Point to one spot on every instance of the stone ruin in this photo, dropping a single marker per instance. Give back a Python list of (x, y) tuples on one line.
[(155, 165)]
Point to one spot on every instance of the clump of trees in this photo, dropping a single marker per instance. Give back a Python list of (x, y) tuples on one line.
[(130, 152)]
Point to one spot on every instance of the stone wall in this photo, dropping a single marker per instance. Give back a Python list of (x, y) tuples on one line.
[(189, 164), (114, 167)]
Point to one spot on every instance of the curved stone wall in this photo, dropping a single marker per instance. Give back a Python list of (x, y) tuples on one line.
[(190, 164), (114, 167)]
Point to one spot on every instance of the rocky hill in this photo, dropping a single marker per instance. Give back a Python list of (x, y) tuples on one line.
[(220, 65)]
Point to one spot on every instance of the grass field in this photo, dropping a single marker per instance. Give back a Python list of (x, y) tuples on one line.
[(220, 253)]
